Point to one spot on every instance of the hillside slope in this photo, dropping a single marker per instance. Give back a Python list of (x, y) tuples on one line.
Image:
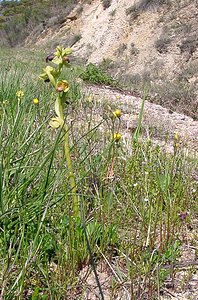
[(144, 42)]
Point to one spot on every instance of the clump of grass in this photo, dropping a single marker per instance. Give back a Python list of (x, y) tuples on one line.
[(136, 9), (121, 49), (162, 44), (133, 50), (189, 44), (112, 13)]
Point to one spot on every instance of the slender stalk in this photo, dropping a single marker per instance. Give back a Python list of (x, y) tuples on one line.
[(137, 131), (69, 161), (71, 173)]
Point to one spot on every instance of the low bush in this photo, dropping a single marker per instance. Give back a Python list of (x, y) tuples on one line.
[(93, 74)]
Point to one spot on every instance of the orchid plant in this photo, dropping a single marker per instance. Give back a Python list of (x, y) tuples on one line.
[(52, 74)]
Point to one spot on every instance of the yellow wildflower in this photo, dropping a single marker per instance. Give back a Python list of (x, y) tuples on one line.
[(35, 101), (117, 113), (49, 74), (117, 137)]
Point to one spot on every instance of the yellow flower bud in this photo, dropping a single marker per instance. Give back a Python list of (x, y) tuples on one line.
[(117, 137), (176, 136), (117, 113), (49, 74), (35, 101)]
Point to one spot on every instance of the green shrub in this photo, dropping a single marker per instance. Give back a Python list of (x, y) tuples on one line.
[(94, 75)]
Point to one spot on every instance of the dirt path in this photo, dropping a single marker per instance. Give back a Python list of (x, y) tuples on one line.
[(158, 123)]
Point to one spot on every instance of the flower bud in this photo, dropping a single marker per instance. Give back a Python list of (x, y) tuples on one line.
[(117, 137), (35, 101), (56, 122), (117, 113), (176, 136)]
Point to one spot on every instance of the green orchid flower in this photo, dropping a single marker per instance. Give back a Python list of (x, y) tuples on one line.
[(61, 56), (56, 122), (53, 75), (62, 86), (49, 73)]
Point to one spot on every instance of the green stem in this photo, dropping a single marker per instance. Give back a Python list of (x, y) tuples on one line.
[(59, 111), (71, 173), (137, 131)]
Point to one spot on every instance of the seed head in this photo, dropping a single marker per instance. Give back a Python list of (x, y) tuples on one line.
[(20, 94)]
